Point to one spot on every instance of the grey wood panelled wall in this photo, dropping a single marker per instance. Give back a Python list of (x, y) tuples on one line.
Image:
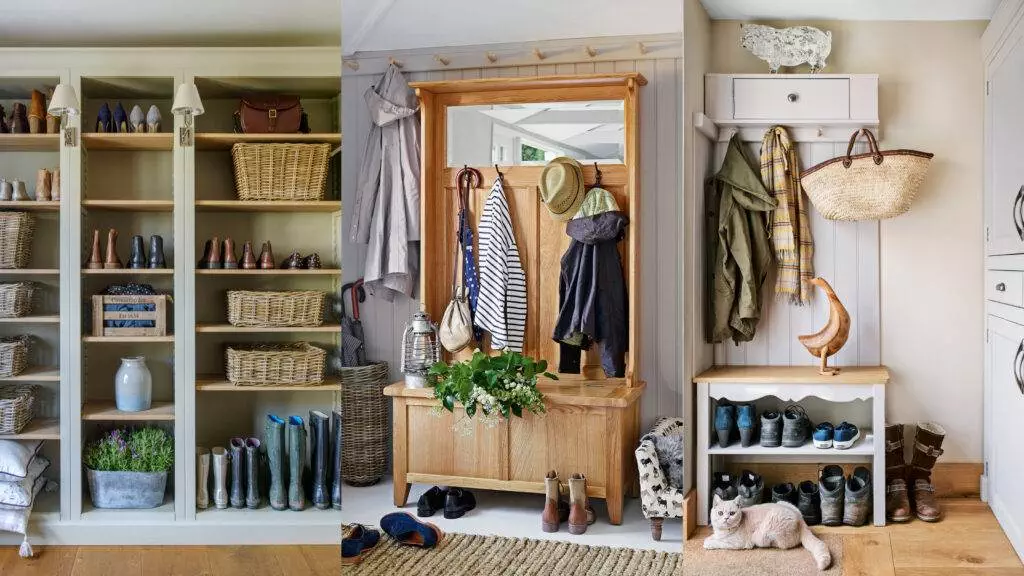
[(661, 185), (847, 255)]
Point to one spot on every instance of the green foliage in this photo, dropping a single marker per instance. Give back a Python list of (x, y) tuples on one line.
[(503, 385), (144, 450), (532, 154)]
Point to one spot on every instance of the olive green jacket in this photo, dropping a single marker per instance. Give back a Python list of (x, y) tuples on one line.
[(739, 251)]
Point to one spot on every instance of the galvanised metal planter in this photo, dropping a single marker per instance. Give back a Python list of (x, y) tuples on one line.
[(126, 489)]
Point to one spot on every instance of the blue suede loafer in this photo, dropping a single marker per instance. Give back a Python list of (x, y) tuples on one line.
[(406, 529), (359, 541)]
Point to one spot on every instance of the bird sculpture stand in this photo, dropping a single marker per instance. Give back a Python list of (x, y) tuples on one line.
[(830, 339)]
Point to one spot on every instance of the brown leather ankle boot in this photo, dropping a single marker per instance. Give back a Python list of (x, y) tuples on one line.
[(927, 449), (248, 258), (112, 260), (212, 257), (549, 518), (95, 257), (43, 185), (37, 113), (578, 518), (267, 257), (897, 503)]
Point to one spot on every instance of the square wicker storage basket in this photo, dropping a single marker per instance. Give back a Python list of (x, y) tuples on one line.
[(16, 230), (275, 364), (13, 355), (17, 407), (268, 309), (280, 171), (16, 299)]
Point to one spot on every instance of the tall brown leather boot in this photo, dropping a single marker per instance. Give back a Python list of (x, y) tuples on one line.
[(95, 257), (897, 502), (37, 113), (927, 449), (18, 120), (549, 518), (43, 186), (578, 505), (55, 183), (112, 260), (248, 258)]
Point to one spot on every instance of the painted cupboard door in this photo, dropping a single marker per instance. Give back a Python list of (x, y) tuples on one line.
[(1004, 406), (1004, 209)]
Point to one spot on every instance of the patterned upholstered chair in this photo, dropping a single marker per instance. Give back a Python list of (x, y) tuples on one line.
[(660, 497)]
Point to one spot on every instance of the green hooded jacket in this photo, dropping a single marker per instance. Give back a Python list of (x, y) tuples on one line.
[(739, 251)]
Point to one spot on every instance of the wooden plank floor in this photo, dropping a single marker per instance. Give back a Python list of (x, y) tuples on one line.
[(172, 561), (968, 542)]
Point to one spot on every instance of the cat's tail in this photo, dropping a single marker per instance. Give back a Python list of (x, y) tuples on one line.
[(817, 548)]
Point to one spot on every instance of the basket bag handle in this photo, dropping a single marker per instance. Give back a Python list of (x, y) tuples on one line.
[(872, 147)]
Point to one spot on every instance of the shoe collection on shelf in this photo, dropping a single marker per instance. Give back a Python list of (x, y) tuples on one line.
[(121, 122), (47, 188), (221, 255), (138, 257), (790, 428), (29, 120)]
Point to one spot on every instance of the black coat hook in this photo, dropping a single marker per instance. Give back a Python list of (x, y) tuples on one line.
[(501, 175), (597, 177)]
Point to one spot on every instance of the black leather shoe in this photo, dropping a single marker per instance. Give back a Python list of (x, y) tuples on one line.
[(458, 502), (431, 501)]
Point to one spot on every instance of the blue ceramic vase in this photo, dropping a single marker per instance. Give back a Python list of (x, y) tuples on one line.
[(133, 385)]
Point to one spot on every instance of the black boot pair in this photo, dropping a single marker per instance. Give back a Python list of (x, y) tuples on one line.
[(455, 501), (156, 253)]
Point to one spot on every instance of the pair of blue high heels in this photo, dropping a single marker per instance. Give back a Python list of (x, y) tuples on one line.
[(402, 527), (121, 122)]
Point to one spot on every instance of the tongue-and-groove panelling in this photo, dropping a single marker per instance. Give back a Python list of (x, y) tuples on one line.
[(661, 183)]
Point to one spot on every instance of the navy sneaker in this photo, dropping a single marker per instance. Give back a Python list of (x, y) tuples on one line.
[(822, 435), (846, 436), (725, 421)]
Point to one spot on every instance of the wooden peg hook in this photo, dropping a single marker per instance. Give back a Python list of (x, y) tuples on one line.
[(540, 55), (352, 64), (492, 57), (591, 51), (395, 63), (443, 60), (641, 47)]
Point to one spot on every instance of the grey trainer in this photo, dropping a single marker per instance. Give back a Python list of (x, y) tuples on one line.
[(784, 492), (771, 429), (751, 489), (724, 486), (796, 427), (832, 490), (858, 497)]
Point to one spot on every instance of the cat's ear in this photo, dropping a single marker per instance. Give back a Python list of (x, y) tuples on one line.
[(717, 501)]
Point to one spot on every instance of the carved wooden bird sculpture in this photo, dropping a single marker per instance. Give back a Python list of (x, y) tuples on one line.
[(827, 341)]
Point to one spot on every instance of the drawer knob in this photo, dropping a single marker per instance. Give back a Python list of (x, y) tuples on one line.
[(793, 97), (1001, 287)]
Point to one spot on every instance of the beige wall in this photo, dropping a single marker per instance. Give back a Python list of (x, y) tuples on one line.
[(932, 317)]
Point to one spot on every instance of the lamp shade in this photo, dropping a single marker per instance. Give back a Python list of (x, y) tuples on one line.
[(187, 100), (64, 101)]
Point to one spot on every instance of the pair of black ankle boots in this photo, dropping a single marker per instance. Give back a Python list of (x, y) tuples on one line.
[(454, 501)]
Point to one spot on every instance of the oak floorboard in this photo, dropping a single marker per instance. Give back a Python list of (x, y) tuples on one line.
[(108, 560), (176, 561)]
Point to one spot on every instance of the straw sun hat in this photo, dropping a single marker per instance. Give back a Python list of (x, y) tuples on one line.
[(561, 188)]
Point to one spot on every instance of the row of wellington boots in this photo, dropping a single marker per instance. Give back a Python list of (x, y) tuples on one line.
[(901, 480)]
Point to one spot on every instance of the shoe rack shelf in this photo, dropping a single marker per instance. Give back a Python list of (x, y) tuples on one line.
[(30, 206), (128, 272), (333, 272), (138, 142), (129, 205), (229, 329), (790, 384), (29, 142), (267, 206), (108, 412)]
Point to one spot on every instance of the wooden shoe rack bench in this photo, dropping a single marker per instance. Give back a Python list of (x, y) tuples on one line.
[(592, 424), (181, 188)]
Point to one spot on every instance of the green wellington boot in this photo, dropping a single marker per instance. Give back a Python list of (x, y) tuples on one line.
[(296, 462), (273, 439)]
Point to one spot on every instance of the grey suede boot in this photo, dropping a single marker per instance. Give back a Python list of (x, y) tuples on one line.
[(319, 448), (296, 462), (809, 502), (832, 490), (252, 473), (336, 460), (771, 429), (273, 439), (858, 497), (751, 489), (237, 473)]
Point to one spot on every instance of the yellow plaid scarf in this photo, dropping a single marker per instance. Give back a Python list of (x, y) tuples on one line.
[(790, 228)]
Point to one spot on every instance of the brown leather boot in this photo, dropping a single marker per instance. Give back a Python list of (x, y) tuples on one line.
[(578, 505), (112, 260), (229, 262), (37, 113), (267, 257), (248, 258), (212, 257), (549, 518), (927, 449), (43, 185), (95, 257), (18, 120), (897, 503), (55, 183)]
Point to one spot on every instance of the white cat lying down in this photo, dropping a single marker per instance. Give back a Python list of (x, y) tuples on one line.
[(763, 526)]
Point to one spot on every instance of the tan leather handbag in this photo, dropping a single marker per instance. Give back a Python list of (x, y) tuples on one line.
[(456, 329), (270, 114)]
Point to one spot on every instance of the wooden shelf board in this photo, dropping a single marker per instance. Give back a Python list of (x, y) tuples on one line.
[(106, 410), (141, 142), (217, 383), (268, 205), (224, 140), (271, 272), (228, 328), (29, 142), (612, 393), (35, 374), (129, 205), (114, 339), (792, 375), (148, 516), (128, 271), (29, 271), (267, 515), (534, 82), (49, 319), (864, 447), (30, 205), (37, 429)]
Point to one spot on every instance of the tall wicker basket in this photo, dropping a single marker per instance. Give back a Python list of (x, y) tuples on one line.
[(364, 424)]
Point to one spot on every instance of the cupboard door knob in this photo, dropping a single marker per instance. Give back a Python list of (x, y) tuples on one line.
[(1001, 287), (793, 97)]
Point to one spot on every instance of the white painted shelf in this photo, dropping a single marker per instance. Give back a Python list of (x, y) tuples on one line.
[(266, 514), (865, 447), (162, 513)]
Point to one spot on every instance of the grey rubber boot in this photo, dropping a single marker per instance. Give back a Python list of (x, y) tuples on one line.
[(724, 486), (296, 462), (319, 447), (273, 440), (750, 488), (858, 497), (771, 429), (336, 460), (809, 502), (784, 492), (202, 478), (220, 477), (796, 427), (238, 473), (252, 473), (832, 489)]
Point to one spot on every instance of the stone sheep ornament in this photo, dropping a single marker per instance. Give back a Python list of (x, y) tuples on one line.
[(788, 46)]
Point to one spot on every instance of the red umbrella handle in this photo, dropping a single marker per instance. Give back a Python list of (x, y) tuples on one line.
[(356, 288)]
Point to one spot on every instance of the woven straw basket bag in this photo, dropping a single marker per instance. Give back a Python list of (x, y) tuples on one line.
[(870, 186)]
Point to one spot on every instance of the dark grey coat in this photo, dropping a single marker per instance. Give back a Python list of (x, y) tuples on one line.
[(592, 294)]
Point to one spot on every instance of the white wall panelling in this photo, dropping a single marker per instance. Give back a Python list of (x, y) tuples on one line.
[(851, 9), (661, 180)]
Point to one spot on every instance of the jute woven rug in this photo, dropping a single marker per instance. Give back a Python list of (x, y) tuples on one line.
[(467, 555), (760, 561)]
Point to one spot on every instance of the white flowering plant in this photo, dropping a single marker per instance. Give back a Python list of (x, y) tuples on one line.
[(496, 386)]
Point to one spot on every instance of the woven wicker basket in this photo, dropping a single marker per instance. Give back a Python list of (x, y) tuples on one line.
[(364, 424), (16, 299), (871, 186), (275, 364), (13, 355), (280, 171), (17, 404), (266, 309), (16, 230)]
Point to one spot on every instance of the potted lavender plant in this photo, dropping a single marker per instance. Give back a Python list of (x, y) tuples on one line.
[(128, 468)]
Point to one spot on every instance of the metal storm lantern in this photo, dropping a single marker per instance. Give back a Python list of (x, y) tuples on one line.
[(420, 350)]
